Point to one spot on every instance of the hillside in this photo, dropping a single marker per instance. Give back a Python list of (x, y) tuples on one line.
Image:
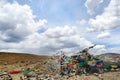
[(11, 58), (111, 54), (10, 61)]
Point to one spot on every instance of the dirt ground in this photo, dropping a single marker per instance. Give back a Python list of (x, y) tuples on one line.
[(104, 76), (19, 61)]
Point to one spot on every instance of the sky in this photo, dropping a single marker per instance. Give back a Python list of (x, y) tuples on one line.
[(48, 26)]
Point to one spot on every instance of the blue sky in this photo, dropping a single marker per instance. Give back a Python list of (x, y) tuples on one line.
[(61, 12), (57, 23)]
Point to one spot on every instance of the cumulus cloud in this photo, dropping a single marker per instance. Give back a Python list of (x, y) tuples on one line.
[(109, 19), (54, 39), (98, 49), (100, 46), (60, 32), (2, 2), (90, 29), (91, 5), (103, 35), (83, 22), (114, 50), (17, 22)]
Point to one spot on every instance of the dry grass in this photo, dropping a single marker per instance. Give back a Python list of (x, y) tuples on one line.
[(11, 58), (16, 60)]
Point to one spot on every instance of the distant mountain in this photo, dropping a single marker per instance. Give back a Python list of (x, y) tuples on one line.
[(111, 54)]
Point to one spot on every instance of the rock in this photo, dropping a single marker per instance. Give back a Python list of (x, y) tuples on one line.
[(96, 74)]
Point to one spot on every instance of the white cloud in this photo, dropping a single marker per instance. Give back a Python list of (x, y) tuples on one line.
[(52, 40), (98, 49), (103, 35), (90, 29), (109, 19), (99, 46), (83, 22), (58, 31), (91, 5), (17, 22), (20, 33), (114, 50), (2, 2), (55, 39)]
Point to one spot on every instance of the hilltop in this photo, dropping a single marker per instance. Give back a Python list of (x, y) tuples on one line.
[(11, 58), (111, 54)]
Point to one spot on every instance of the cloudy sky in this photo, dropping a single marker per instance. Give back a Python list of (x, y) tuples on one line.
[(48, 26)]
